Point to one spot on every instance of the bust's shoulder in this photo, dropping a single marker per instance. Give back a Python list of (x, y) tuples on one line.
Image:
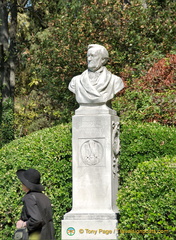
[(75, 78), (73, 83), (116, 78)]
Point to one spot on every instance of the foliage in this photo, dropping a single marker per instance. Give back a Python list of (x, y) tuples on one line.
[(152, 97), (49, 151), (161, 76), (146, 106), (55, 51), (7, 123), (34, 112), (143, 142), (147, 201)]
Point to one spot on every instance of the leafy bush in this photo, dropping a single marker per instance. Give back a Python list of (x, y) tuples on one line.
[(150, 97), (49, 151), (136, 38), (143, 142), (6, 122), (146, 106), (34, 112), (147, 201)]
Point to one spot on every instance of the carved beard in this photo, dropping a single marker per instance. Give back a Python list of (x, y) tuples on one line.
[(94, 66)]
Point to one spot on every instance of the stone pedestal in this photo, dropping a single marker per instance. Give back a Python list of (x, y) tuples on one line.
[(95, 148)]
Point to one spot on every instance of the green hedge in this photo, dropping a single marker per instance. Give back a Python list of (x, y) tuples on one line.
[(147, 202), (143, 142), (49, 151)]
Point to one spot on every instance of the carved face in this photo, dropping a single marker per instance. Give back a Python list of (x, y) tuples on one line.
[(94, 59)]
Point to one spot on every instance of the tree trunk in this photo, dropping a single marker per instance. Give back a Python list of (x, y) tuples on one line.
[(8, 17), (12, 49), (4, 36)]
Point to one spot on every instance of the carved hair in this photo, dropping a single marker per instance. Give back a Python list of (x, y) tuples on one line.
[(103, 51)]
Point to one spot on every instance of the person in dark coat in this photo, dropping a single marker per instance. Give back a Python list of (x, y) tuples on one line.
[(36, 213)]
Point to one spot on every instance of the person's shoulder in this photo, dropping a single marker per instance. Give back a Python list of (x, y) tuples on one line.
[(33, 195), (28, 197), (38, 197)]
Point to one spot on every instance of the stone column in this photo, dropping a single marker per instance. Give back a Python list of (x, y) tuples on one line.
[(95, 148)]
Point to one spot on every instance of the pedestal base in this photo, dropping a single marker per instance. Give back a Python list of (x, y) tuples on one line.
[(95, 144), (89, 230)]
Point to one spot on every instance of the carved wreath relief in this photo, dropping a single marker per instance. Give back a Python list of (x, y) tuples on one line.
[(91, 152), (115, 147)]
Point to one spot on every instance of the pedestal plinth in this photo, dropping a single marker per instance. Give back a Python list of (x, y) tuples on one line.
[(95, 148)]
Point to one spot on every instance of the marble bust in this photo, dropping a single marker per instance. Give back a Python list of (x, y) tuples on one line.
[(96, 85)]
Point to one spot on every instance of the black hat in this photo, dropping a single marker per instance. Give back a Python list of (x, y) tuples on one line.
[(31, 179)]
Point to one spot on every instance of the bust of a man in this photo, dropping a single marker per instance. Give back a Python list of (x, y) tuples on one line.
[(96, 85)]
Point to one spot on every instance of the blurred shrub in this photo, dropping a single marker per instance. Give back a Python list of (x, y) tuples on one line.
[(146, 106), (150, 97), (143, 142), (6, 122), (49, 151), (147, 202), (135, 37), (34, 112)]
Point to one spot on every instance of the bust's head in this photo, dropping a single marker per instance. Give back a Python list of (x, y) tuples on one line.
[(97, 56)]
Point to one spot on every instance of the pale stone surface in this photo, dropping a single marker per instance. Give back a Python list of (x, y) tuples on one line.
[(95, 181), (95, 149), (97, 84), (94, 109)]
